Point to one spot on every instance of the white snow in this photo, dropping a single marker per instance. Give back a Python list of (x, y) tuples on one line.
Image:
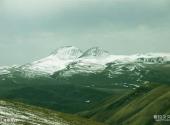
[(92, 60), (135, 85), (50, 64), (11, 115), (4, 70), (87, 101)]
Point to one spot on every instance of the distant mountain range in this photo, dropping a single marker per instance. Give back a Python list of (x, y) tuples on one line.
[(93, 60)]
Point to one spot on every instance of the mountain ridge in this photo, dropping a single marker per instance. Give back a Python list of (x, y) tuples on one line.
[(94, 59)]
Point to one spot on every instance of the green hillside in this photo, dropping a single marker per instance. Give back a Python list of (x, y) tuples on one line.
[(14, 113), (65, 95), (135, 108)]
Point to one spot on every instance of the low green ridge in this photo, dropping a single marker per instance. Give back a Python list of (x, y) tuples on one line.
[(135, 108)]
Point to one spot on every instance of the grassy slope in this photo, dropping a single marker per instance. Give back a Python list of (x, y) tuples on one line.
[(65, 96), (136, 108), (37, 115)]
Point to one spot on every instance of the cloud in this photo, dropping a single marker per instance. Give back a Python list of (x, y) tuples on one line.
[(65, 15), (120, 26)]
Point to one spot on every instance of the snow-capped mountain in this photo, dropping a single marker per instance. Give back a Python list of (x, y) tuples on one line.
[(57, 60), (72, 60), (91, 61), (69, 56)]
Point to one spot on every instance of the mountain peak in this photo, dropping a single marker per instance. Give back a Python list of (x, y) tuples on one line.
[(95, 52), (67, 52)]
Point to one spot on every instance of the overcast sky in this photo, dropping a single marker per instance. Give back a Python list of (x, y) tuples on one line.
[(31, 29)]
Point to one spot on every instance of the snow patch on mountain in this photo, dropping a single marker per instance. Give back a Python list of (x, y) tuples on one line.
[(143, 58), (95, 52), (6, 69)]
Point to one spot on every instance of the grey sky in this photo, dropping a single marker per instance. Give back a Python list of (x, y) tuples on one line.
[(31, 29)]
